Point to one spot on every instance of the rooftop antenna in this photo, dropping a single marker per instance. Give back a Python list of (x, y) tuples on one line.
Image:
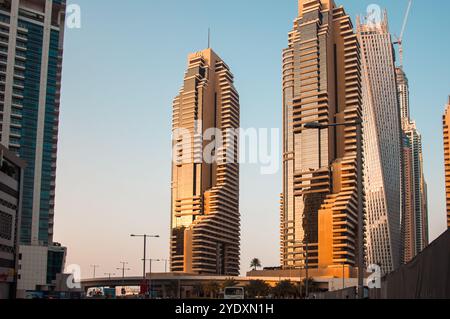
[(209, 38)]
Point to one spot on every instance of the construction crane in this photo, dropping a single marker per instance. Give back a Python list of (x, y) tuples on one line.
[(400, 38)]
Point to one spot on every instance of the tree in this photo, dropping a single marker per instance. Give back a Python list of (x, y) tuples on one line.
[(255, 264), (211, 289), (199, 290), (229, 283), (172, 289), (257, 288), (284, 289)]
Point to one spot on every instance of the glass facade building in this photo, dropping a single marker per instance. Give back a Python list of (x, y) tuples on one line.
[(31, 47), (382, 146), (31, 53)]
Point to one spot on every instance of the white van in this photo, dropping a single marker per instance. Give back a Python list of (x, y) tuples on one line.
[(234, 293)]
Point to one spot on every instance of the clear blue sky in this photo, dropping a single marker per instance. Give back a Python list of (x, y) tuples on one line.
[(125, 65)]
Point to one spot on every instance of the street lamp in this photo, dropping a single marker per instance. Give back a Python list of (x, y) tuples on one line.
[(145, 236), (109, 275), (150, 274), (165, 264), (123, 268), (94, 267), (358, 124)]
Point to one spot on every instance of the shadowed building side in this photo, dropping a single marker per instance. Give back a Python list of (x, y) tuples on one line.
[(205, 223)]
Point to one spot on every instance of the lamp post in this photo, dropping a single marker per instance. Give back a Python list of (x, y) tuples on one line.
[(306, 259), (150, 274), (165, 264), (109, 275), (94, 267), (358, 124), (123, 268), (145, 236)]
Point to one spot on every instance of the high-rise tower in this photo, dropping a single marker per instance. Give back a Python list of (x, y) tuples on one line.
[(31, 48), (446, 123), (321, 83), (31, 52), (415, 215), (205, 194), (382, 146)]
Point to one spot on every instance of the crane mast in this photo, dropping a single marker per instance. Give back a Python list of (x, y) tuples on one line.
[(402, 33)]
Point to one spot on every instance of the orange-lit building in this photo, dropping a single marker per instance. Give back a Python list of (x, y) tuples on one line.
[(447, 157), (205, 223), (321, 83)]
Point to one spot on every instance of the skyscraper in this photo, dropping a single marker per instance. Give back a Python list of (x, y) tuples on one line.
[(408, 210), (415, 215), (446, 123), (205, 193), (31, 50), (382, 146), (321, 83)]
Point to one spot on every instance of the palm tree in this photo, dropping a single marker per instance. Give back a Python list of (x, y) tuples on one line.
[(257, 288), (211, 289), (284, 289), (255, 264), (229, 283)]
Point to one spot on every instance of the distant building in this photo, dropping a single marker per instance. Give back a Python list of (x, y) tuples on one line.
[(205, 219), (321, 83), (408, 212), (382, 146), (415, 213), (446, 123), (11, 178)]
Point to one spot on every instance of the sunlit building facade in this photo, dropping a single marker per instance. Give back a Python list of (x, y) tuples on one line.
[(446, 123), (382, 146), (205, 224), (321, 83)]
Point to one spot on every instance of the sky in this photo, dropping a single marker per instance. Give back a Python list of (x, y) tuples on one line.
[(125, 65)]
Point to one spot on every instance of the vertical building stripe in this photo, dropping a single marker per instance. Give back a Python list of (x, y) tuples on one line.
[(41, 123)]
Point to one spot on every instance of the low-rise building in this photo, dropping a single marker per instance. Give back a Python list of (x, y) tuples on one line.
[(11, 168)]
